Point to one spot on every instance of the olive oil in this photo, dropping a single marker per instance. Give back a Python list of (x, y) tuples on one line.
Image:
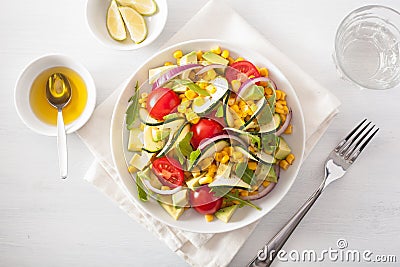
[(44, 110)]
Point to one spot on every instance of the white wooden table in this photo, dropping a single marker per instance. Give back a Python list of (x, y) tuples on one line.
[(45, 221)]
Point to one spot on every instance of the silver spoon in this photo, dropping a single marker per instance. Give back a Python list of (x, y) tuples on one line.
[(58, 93)]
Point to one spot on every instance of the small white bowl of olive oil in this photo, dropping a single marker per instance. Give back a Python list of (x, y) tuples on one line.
[(30, 95)]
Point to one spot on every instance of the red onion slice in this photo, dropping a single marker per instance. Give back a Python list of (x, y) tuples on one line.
[(264, 191), (161, 192), (253, 81), (285, 125), (210, 67), (173, 73), (211, 140)]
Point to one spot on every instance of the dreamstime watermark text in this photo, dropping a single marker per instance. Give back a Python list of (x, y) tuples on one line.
[(340, 253)]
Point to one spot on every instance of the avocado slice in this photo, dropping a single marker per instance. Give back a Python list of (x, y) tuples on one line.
[(226, 213), (214, 58), (160, 134), (156, 73), (194, 182), (180, 199), (173, 211), (189, 58), (283, 149), (166, 202), (134, 143), (253, 92), (271, 176)]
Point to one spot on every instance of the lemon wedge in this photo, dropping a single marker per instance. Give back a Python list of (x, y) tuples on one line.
[(135, 24), (115, 24), (144, 7)]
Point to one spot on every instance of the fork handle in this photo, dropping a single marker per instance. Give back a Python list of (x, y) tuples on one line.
[(266, 255)]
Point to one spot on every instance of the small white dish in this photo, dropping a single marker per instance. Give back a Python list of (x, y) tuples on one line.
[(96, 13), (23, 88)]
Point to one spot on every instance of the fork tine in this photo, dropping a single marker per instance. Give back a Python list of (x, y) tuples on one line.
[(351, 139), (340, 145), (350, 150), (355, 155)]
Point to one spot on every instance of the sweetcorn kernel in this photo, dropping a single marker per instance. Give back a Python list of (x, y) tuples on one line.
[(211, 89), (203, 85), (218, 156), (290, 158), (265, 183), (278, 94), (206, 179), (235, 108), (212, 169), (278, 105), (282, 102), (216, 50), (284, 164), (268, 90), (264, 72), (229, 150), (182, 108), (190, 94), (231, 101), (289, 129), (252, 165), (209, 217), (199, 55), (283, 117), (244, 193), (225, 159), (231, 60), (286, 109), (251, 149), (239, 59), (195, 120), (178, 54), (280, 111), (168, 63), (283, 97), (225, 54)]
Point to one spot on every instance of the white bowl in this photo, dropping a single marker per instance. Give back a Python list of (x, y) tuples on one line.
[(191, 220), (96, 13), (24, 83)]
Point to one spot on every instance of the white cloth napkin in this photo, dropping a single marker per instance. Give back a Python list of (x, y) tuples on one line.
[(205, 249)]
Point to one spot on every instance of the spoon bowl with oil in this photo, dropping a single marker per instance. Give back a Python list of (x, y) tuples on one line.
[(58, 93)]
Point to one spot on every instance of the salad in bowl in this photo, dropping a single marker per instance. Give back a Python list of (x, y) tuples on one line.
[(207, 132)]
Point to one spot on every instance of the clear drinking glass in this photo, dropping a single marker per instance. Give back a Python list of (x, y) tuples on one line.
[(367, 47)]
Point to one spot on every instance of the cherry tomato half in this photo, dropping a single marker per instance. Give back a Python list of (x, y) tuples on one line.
[(161, 102), (205, 128), (245, 67), (168, 171), (204, 201)]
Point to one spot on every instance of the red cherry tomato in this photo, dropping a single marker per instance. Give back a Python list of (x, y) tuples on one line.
[(204, 201), (245, 67), (161, 102), (169, 171), (205, 128)]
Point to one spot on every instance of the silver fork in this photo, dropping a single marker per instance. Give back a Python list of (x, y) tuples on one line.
[(336, 165)]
